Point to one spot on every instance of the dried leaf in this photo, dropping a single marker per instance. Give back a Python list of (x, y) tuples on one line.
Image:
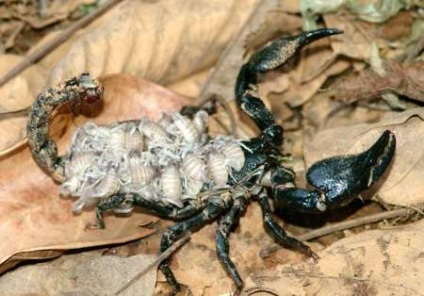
[(31, 210), (221, 81), (315, 66), (403, 79), (87, 273), (377, 12), (16, 95), (378, 262), (312, 9), (355, 42), (9, 31), (148, 39), (403, 182)]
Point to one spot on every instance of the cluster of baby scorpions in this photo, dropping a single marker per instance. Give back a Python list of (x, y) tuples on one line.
[(174, 169)]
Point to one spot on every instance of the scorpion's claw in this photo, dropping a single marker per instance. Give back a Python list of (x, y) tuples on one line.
[(342, 178), (338, 180)]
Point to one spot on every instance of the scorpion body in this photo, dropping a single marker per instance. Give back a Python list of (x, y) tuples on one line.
[(173, 169)]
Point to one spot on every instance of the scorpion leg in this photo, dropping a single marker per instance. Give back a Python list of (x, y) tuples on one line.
[(278, 233), (214, 208), (269, 58), (222, 246), (105, 205), (192, 208), (116, 201)]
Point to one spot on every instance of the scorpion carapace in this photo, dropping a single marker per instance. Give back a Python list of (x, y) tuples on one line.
[(174, 169)]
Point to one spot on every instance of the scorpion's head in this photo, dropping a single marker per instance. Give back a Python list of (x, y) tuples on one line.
[(339, 180)]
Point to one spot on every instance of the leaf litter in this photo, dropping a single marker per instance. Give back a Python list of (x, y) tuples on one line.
[(205, 276), (86, 273)]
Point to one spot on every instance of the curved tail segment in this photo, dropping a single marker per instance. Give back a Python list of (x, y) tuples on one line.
[(269, 58), (43, 148)]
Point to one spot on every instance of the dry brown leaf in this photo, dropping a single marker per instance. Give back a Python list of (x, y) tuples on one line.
[(355, 42), (277, 22), (87, 273), (39, 14), (378, 262), (403, 182), (8, 31), (221, 81), (16, 95), (19, 93), (403, 79), (31, 211), (150, 40), (316, 64), (399, 26)]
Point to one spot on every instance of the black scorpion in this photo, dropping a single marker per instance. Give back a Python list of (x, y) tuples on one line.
[(336, 181)]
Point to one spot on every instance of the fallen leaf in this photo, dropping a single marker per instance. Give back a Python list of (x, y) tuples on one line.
[(15, 96), (400, 78), (355, 42), (9, 31), (377, 262), (87, 273), (148, 39), (377, 12), (222, 79)]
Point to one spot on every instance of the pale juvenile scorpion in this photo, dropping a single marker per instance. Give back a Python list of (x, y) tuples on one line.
[(174, 169)]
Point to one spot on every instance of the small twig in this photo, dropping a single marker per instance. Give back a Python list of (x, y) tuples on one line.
[(342, 226), (55, 42), (353, 223), (15, 146), (14, 113), (156, 262)]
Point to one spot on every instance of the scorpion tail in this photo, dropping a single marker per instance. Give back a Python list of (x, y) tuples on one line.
[(269, 58), (43, 148)]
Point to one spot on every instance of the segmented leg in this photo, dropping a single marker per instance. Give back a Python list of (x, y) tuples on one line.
[(269, 58), (107, 204), (277, 233), (209, 105), (215, 207), (168, 212), (42, 147), (222, 247)]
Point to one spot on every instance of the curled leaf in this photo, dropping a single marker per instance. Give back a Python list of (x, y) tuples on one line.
[(81, 274), (148, 39), (377, 262), (403, 79)]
